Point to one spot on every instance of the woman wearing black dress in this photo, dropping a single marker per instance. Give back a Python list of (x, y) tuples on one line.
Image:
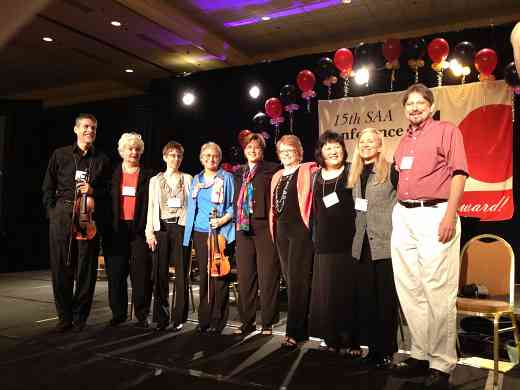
[(331, 310)]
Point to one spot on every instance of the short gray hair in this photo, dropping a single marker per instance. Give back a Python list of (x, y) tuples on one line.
[(129, 139), (209, 145)]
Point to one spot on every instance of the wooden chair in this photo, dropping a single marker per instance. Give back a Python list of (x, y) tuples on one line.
[(489, 260)]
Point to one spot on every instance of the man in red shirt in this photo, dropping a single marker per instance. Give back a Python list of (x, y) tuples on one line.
[(432, 167)]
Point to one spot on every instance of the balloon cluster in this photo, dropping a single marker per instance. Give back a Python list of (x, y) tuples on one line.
[(416, 50), (391, 52), (438, 50), (306, 81)]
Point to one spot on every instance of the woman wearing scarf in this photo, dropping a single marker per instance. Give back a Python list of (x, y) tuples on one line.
[(258, 266), (212, 189), (289, 222), (167, 200)]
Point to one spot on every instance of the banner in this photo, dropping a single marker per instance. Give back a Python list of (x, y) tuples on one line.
[(481, 110)]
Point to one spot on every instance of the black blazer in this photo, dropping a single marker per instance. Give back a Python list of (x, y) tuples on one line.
[(141, 201), (261, 187)]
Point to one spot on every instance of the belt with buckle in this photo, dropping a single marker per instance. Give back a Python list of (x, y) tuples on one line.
[(422, 203), (170, 220)]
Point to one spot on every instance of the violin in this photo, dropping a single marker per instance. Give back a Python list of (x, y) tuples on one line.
[(218, 263), (83, 226)]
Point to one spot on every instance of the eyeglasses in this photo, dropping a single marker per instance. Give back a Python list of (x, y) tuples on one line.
[(422, 103), (209, 156), (287, 151)]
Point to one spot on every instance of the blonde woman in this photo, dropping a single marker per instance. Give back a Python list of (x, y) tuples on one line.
[(125, 247), (373, 185), (167, 203)]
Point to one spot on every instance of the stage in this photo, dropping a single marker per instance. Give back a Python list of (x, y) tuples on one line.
[(33, 355)]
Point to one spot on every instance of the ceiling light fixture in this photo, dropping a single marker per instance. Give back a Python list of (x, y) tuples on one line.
[(346, 1), (362, 76), (188, 98), (266, 18), (47, 39), (129, 70), (254, 92), (116, 23)]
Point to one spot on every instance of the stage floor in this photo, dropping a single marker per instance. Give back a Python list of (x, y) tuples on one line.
[(32, 355)]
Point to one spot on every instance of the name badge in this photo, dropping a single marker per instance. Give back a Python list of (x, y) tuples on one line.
[(406, 162), (330, 199), (361, 204), (174, 203), (128, 191), (80, 176)]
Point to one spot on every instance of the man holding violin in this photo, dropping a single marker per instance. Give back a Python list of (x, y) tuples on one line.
[(72, 171)]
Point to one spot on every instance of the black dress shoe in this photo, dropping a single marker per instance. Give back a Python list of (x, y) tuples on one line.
[(78, 326), (142, 324), (202, 329), (410, 368), (244, 330), (377, 360), (116, 321), (63, 326), (437, 380), (161, 326), (177, 327), (214, 331)]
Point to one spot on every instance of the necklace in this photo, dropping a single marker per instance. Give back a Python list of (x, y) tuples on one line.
[(280, 198)]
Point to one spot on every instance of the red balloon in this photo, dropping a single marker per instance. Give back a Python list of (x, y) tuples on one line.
[(486, 61), (273, 107), (306, 80), (392, 49), (242, 136), (344, 60), (438, 50)]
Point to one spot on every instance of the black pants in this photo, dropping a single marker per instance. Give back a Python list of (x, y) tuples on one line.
[(332, 298), (126, 252), (296, 254), (258, 267), (72, 304), (171, 252), (213, 304), (375, 304)]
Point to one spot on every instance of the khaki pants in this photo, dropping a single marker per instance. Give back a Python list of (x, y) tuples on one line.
[(426, 276)]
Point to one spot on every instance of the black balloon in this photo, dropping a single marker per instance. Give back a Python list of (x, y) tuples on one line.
[(511, 75), (363, 54), (464, 52), (325, 69), (416, 48), (260, 122), (288, 94)]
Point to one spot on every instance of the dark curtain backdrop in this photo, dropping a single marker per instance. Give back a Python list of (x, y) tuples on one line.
[(222, 109)]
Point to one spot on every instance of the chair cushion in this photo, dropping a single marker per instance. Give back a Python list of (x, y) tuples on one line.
[(482, 305)]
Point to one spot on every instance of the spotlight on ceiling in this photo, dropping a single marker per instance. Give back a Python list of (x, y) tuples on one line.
[(346, 1), (129, 70), (48, 39), (254, 92), (362, 76), (116, 23), (188, 98), (266, 18)]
